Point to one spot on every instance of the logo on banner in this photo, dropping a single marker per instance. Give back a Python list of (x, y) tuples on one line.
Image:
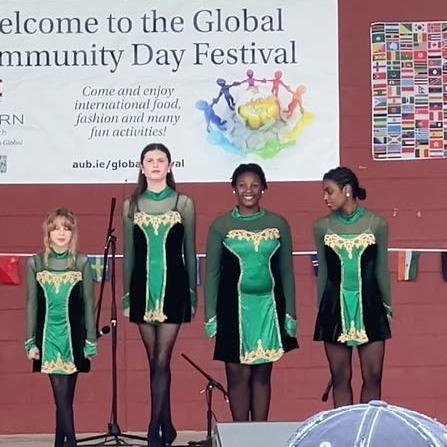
[(8, 120), (256, 115)]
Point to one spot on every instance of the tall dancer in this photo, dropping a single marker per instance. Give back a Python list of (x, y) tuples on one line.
[(159, 275)]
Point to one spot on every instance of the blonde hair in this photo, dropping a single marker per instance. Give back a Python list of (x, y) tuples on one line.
[(67, 219)]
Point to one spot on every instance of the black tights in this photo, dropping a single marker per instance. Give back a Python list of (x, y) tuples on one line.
[(159, 341), (249, 390), (63, 390), (371, 362)]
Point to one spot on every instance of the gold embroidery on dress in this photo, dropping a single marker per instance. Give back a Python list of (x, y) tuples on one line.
[(360, 241), (52, 366), (56, 279), (170, 218), (358, 335), (261, 353), (255, 237), (155, 315)]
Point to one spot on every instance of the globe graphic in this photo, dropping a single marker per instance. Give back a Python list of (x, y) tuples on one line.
[(257, 108)]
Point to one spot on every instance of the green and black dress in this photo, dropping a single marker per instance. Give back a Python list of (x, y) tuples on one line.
[(354, 304), (250, 288), (60, 317), (159, 258)]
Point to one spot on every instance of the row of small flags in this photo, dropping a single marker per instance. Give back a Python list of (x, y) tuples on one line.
[(407, 266), (9, 269)]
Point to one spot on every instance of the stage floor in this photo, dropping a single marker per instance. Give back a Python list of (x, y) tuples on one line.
[(47, 440)]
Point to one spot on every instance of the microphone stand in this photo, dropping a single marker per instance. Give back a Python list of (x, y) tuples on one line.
[(208, 442), (113, 428)]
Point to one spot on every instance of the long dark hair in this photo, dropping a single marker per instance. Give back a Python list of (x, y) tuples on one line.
[(142, 181), (343, 176)]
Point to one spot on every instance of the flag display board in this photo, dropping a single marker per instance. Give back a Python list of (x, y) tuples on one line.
[(409, 90)]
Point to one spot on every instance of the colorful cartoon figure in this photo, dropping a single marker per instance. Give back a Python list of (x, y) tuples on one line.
[(297, 100), (257, 119), (225, 90), (276, 81), (251, 80), (210, 115)]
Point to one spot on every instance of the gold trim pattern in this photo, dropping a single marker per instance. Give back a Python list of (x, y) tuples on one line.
[(143, 219), (50, 367), (260, 352), (56, 279), (361, 241), (156, 315), (357, 335), (255, 237)]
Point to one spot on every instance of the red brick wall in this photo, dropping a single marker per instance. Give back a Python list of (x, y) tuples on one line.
[(411, 195)]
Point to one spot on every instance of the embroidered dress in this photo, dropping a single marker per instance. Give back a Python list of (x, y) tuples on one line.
[(160, 258), (353, 279), (60, 313), (249, 288)]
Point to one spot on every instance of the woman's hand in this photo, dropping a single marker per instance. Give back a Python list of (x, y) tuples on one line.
[(34, 353)]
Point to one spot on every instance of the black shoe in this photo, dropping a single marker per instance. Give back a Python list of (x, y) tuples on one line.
[(154, 440), (168, 436)]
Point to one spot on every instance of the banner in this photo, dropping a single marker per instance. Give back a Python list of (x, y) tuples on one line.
[(86, 84), (409, 90)]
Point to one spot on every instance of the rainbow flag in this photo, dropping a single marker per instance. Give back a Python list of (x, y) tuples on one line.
[(407, 265)]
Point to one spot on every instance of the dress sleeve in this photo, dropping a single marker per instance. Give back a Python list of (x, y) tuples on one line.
[(31, 305), (128, 254), (287, 277), (212, 278), (382, 272), (319, 232), (88, 296), (189, 248)]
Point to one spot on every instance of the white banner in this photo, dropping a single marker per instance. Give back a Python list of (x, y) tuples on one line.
[(86, 84)]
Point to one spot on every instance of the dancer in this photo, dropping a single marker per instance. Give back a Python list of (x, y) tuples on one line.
[(354, 307), (60, 319), (250, 294), (159, 285)]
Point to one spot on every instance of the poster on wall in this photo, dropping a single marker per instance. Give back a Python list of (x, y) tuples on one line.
[(409, 90), (85, 85)]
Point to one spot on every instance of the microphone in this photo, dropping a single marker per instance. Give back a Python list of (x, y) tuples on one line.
[(103, 331), (211, 382), (222, 389)]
